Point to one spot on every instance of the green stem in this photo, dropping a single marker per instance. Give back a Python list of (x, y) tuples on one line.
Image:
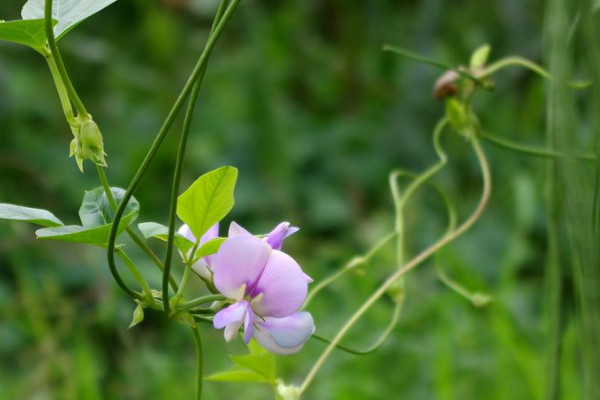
[(431, 61), (201, 300), (532, 151), (514, 61), (137, 275), (61, 89), (199, 366), (400, 199), (184, 281), (377, 343), (187, 121), (196, 73), (349, 266), (60, 66), (428, 252), (132, 233)]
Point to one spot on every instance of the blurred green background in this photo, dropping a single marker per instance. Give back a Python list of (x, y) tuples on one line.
[(301, 98)]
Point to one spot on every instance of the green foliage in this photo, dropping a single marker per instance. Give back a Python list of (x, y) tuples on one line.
[(96, 216), (480, 56), (208, 200), (161, 232), (208, 248), (34, 215), (68, 13), (256, 367), (30, 33)]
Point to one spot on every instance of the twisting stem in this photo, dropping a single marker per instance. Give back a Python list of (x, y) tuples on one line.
[(198, 343), (487, 185), (400, 200), (349, 266), (380, 339), (532, 151), (196, 73), (136, 274), (187, 121), (81, 111), (132, 233)]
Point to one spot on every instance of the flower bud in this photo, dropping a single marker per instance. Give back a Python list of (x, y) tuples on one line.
[(286, 392), (138, 315), (88, 145)]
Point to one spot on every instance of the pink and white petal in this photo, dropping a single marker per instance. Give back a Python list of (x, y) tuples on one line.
[(239, 261), (236, 229), (231, 331), (211, 233), (248, 325), (283, 286), (285, 335), (231, 314), (186, 232), (201, 267), (276, 236)]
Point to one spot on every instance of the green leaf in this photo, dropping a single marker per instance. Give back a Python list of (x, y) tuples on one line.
[(69, 13), (262, 364), (96, 217), (96, 210), (236, 374), (207, 200), (161, 232), (208, 248), (30, 33), (34, 215), (480, 56)]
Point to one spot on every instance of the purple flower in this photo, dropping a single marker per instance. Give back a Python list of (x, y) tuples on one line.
[(274, 238), (203, 266), (268, 287)]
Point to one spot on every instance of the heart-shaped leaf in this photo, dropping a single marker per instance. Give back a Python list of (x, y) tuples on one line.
[(68, 13), (96, 218), (30, 33), (95, 208), (33, 215), (207, 200)]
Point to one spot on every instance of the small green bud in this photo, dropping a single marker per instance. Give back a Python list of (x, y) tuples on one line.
[(480, 299), (461, 118), (285, 392), (88, 144), (480, 57), (396, 290), (138, 315)]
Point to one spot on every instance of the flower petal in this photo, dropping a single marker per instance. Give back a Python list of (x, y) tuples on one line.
[(202, 267), (186, 232), (285, 335), (248, 325), (283, 286), (239, 261), (230, 314), (276, 236), (232, 317), (236, 229)]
